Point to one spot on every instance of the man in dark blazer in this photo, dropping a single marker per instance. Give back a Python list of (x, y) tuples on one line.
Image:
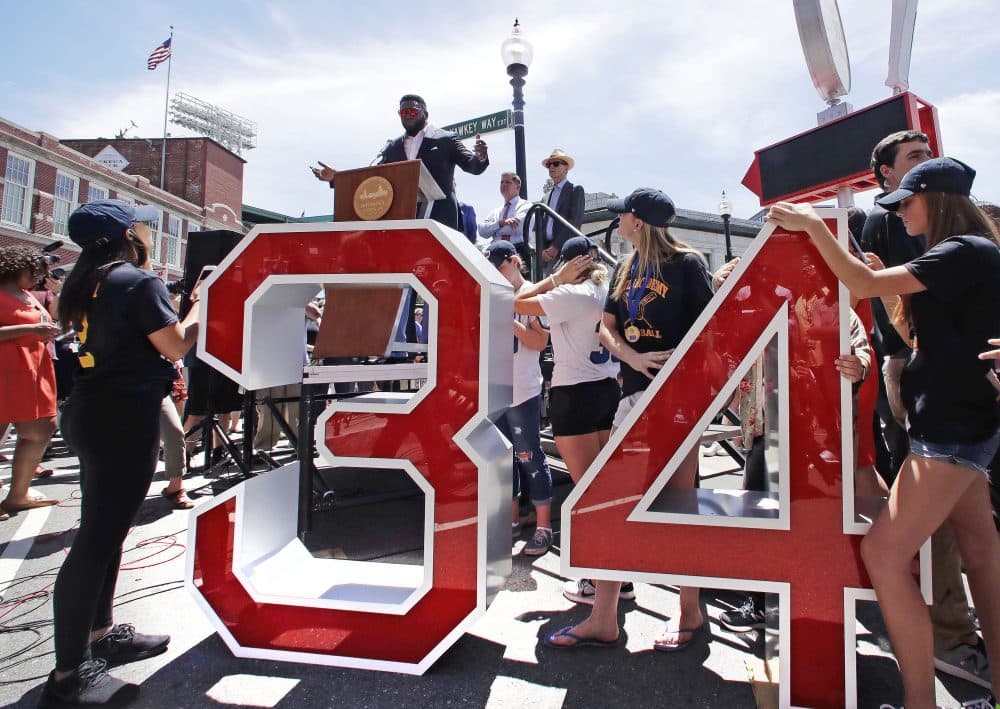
[(439, 150), (567, 199)]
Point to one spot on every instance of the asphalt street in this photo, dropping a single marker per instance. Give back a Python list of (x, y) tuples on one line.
[(501, 662)]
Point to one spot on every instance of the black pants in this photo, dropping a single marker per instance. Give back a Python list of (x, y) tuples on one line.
[(115, 433)]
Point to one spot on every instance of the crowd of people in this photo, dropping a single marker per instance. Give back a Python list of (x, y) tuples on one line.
[(925, 285)]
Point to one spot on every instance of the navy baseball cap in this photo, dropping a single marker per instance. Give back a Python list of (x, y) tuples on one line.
[(500, 251), (946, 175), (577, 246), (104, 222), (651, 206)]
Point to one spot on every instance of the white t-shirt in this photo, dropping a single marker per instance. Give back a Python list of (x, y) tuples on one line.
[(527, 370), (574, 313)]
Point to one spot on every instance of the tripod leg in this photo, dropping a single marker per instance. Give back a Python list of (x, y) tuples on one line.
[(306, 468), (231, 448)]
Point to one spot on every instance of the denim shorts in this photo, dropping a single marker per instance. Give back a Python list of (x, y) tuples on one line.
[(974, 456)]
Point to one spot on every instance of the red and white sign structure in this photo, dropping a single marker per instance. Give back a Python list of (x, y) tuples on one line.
[(267, 596), (270, 599)]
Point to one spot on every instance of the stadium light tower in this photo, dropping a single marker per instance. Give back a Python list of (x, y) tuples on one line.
[(235, 132)]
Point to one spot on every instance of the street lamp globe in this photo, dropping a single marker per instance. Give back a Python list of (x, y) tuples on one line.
[(725, 208), (516, 49)]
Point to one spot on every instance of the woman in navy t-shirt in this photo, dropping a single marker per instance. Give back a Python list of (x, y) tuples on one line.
[(949, 308), (129, 338)]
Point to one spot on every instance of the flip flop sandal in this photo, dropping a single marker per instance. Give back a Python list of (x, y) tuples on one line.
[(179, 499), (664, 646), (41, 472), (578, 640)]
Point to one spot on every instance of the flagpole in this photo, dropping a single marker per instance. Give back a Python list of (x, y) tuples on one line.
[(166, 105)]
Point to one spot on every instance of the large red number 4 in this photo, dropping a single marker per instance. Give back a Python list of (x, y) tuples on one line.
[(806, 547)]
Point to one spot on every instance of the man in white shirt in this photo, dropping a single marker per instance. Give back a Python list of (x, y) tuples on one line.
[(506, 222)]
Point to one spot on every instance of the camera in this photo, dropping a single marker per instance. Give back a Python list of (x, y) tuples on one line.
[(51, 258)]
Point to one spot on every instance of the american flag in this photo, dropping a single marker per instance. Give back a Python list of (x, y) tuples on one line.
[(159, 55)]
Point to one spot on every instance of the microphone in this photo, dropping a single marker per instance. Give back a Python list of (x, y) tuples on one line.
[(381, 152)]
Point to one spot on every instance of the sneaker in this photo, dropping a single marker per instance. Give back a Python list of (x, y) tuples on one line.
[(122, 644), (89, 684), (583, 591), (746, 617), (966, 662), (981, 703), (540, 543)]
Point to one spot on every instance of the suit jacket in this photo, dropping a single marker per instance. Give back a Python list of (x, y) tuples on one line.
[(440, 151), (570, 207)]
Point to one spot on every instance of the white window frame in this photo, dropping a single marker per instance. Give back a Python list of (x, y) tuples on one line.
[(154, 233), (90, 192), (29, 188), (61, 204), (172, 237)]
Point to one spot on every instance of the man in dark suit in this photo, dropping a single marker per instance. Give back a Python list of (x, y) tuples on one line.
[(567, 199), (440, 151)]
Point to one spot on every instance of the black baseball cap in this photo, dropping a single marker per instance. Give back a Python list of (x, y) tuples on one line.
[(651, 206), (105, 221), (500, 251), (946, 175)]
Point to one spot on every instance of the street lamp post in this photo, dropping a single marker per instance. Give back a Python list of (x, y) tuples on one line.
[(726, 211), (516, 52)]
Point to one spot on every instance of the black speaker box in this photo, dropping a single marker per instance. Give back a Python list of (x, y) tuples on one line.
[(205, 248)]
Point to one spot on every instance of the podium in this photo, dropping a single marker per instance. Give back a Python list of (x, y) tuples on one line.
[(411, 192), (391, 191)]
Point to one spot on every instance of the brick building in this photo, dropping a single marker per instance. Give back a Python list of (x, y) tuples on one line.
[(199, 170), (42, 180)]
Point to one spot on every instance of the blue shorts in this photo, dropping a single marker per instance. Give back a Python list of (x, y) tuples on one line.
[(974, 456)]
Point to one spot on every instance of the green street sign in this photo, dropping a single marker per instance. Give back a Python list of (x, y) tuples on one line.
[(501, 120)]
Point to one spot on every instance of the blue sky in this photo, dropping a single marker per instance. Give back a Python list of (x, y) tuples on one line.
[(671, 95)]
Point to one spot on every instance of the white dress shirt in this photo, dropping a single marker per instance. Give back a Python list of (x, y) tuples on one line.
[(489, 228)]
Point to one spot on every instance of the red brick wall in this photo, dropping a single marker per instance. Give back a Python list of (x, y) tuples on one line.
[(223, 180), (42, 207)]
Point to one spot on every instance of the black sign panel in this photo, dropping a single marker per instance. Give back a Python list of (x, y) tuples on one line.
[(829, 153)]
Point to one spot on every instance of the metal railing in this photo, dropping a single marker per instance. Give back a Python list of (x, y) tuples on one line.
[(532, 216)]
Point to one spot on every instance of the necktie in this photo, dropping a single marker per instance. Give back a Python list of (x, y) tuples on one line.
[(503, 217)]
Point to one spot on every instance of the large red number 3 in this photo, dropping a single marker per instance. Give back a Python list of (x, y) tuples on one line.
[(267, 596)]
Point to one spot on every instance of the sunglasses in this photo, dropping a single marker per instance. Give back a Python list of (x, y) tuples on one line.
[(556, 163), (409, 112)]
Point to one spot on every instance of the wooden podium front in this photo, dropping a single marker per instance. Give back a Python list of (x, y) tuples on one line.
[(363, 320), (411, 184)]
